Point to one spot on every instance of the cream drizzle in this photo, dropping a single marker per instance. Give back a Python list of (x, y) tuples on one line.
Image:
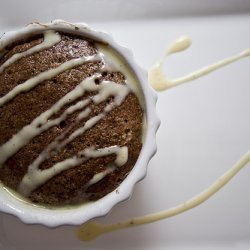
[(115, 62), (37, 126), (98, 177), (50, 38), (105, 90), (47, 75), (119, 93), (159, 81), (121, 153), (35, 177), (40, 124), (92, 229), (121, 159)]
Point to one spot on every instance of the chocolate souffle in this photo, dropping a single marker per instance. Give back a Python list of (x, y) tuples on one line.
[(70, 122)]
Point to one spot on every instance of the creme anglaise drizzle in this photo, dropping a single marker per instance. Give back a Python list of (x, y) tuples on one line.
[(92, 229), (36, 177), (50, 38), (159, 82)]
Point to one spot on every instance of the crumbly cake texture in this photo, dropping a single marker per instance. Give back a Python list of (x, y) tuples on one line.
[(122, 126)]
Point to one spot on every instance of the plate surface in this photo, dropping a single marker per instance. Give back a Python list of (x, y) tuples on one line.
[(204, 131)]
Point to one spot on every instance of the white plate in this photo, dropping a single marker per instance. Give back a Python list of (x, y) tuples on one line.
[(205, 124)]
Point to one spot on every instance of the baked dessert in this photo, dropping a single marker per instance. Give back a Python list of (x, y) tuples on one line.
[(70, 120)]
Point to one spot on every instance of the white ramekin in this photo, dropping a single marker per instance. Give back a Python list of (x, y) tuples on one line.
[(31, 214)]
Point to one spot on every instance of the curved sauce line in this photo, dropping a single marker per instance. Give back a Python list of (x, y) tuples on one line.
[(92, 229), (159, 81)]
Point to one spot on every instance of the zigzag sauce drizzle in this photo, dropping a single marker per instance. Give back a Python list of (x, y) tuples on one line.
[(50, 38), (34, 176), (106, 89), (47, 75)]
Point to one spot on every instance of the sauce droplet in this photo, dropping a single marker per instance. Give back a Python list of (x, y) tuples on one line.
[(92, 229), (180, 44)]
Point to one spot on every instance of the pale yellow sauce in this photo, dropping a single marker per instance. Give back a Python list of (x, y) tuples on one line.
[(35, 177), (159, 81), (92, 229)]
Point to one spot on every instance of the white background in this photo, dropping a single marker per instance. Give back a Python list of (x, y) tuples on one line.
[(205, 124)]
